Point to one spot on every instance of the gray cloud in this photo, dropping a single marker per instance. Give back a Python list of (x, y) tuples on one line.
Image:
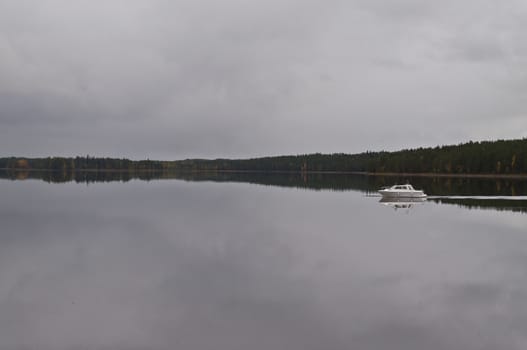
[(175, 79)]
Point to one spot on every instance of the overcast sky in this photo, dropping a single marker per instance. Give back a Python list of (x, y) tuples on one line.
[(171, 79)]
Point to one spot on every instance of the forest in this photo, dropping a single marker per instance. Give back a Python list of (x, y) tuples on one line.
[(501, 157)]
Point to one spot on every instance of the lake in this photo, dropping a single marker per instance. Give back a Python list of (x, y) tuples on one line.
[(261, 261)]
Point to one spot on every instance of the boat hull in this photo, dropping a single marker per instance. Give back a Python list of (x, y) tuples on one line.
[(402, 194)]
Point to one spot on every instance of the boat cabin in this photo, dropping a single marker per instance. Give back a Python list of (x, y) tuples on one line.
[(402, 187)]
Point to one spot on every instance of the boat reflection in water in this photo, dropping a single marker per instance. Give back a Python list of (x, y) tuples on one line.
[(401, 203)]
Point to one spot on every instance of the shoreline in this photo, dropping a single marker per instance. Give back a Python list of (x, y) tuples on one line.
[(387, 174)]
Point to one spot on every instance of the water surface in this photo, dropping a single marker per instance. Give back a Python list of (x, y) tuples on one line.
[(169, 264)]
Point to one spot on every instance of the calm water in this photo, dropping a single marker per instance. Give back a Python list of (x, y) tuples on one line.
[(171, 264)]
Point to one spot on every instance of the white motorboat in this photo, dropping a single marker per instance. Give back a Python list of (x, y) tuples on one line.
[(402, 191)]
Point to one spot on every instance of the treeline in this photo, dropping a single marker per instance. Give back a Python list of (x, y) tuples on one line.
[(500, 157), (79, 163), (81, 176), (489, 157)]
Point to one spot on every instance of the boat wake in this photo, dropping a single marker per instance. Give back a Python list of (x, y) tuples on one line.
[(509, 198)]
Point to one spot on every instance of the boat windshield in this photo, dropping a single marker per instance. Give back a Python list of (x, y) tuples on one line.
[(403, 187)]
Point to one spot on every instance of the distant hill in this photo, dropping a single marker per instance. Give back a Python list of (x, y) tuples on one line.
[(501, 157)]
